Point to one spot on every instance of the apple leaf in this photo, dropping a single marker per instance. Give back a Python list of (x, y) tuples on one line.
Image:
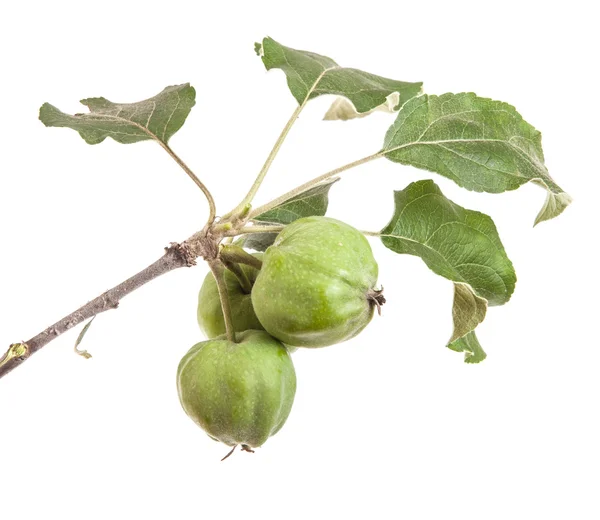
[(256, 241), (310, 75), (469, 344), (156, 118), (459, 244), (311, 202), (468, 310), (481, 144)]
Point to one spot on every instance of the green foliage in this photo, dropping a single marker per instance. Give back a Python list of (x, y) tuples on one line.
[(481, 144), (310, 75), (312, 202), (316, 283), (156, 118), (459, 244)]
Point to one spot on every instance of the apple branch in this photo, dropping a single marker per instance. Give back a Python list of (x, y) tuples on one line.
[(176, 255)]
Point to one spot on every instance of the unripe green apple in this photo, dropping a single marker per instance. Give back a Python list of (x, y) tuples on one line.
[(238, 393), (317, 283)]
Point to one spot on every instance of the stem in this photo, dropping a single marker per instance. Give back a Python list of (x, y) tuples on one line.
[(211, 201), (240, 275), (265, 169), (303, 187), (175, 256), (371, 233), (235, 254), (258, 229), (217, 270), (167, 148)]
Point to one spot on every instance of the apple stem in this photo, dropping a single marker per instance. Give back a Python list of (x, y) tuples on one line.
[(216, 266), (240, 275), (235, 254)]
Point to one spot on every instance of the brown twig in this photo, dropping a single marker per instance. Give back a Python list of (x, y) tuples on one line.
[(176, 255)]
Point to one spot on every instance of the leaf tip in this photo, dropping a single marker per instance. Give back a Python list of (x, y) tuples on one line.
[(48, 114), (43, 112), (554, 205), (469, 344), (473, 359)]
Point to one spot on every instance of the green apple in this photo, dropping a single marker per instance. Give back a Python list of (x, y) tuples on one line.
[(317, 283), (238, 393)]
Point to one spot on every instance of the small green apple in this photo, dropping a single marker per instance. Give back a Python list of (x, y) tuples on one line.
[(238, 393), (317, 283)]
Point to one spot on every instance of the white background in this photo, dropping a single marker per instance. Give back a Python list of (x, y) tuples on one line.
[(389, 425)]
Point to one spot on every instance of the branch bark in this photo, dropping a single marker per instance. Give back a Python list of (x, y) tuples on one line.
[(176, 255)]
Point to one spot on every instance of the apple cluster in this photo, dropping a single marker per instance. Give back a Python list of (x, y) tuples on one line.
[(316, 287)]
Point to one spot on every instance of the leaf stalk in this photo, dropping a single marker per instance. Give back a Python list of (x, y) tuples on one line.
[(257, 229), (269, 161), (303, 187), (211, 201)]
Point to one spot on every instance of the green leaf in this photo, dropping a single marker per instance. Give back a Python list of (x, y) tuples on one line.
[(459, 244), (156, 118), (468, 310), (311, 202), (481, 144), (256, 241), (469, 344), (310, 75)]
